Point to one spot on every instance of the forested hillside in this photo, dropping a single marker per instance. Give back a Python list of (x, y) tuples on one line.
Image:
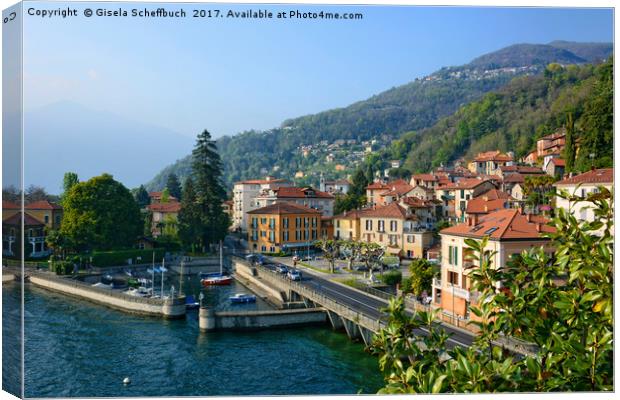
[(415, 106), (512, 118)]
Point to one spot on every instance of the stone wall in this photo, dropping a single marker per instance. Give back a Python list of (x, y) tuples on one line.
[(250, 320)]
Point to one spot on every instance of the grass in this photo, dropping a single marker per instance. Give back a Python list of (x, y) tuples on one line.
[(353, 282), (327, 271)]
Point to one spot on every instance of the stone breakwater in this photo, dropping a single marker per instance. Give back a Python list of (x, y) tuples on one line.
[(210, 320), (166, 308)]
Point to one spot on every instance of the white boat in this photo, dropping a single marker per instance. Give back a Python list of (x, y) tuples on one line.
[(243, 298), (103, 285), (139, 292)]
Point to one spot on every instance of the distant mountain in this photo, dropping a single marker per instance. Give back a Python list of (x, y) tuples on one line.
[(66, 136), (410, 107)]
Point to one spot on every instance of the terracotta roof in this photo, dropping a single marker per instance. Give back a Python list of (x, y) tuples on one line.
[(7, 205), (521, 169), (507, 224), (260, 181), (172, 207), (377, 185), (42, 205), (558, 162), (16, 219), (397, 190), (157, 195), (467, 183), (556, 135), (482, 206), (492, 156), (414, 202), (285, 208), (287, 192), (514, 178), (603, 175), (425, 177), (351, 214), (392, 210)]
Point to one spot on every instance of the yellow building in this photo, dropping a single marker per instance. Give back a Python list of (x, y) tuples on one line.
[(283, 227), (47, 212), (347, 225)]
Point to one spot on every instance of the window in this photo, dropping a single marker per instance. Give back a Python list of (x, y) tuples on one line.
[(46, 218), (314, 235), (271, 236), (369, 224), (306, 222), (453, 278), (381, 227), (254, 222), (255, 235), (263, 221), (285, 222), (453, 255), (314, 222), (272, 223), (297, 222), (263, 233), (285, 236), (298, 235), (462, 193), (410, 239), (583, 193), (263, 248), (393, 226)]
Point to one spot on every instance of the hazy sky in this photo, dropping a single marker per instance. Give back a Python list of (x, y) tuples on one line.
[(231, 75)]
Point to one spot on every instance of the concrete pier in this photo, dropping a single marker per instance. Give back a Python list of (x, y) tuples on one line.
[(210, 320), (166, 308)]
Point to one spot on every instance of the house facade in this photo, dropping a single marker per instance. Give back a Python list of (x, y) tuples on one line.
[(33, 236), (285, 226), (164, 218), (47, 212), (581, 185), (489, 163), (306, 196), (244, 198)]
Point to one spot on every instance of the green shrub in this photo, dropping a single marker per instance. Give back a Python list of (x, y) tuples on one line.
[(391, 277), (120, 257), (62, 267)]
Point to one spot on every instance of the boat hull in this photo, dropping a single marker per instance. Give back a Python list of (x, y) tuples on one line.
[(216, 281)]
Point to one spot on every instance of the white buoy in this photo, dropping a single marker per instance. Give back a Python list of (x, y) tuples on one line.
[(126, 381)]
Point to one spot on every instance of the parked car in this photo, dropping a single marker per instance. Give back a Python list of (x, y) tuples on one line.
[(294, 275), (281, 269), (361, 268)]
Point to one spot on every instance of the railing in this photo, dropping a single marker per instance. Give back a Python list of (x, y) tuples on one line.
[(376, 292), (372, 324)]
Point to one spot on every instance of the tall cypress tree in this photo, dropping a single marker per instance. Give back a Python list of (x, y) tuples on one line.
[(189, 221), (173, 186), (210, 192)]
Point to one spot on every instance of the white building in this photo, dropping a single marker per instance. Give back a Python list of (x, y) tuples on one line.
[(244, 198), (581, 185)]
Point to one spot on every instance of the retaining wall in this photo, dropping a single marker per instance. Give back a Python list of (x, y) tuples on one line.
[(253, 320)]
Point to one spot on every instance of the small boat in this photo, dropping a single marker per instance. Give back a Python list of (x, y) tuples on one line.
[(139, 292), (243, 298), (103, 285), (191, 303), (218, 278)]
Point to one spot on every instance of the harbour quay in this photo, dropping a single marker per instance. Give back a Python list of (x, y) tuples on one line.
[(168, 308)]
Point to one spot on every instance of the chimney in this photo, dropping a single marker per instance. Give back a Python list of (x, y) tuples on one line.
[(470, 221), (529, 217), (486, 208), (538, 227), (592, 168)]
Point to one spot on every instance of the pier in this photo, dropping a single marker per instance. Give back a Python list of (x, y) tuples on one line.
[(210, 320)]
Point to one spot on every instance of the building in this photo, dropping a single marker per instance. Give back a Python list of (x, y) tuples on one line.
[(456, 195), (33, 236), (227, 207), (489, 163), (305, 196), (244, 195), (425, 180), (395, 193), (556, 167), (553, 143), (376, 191), (488, 202), (9, 209), (47, 212), (581, 185), (339, 186), (327, 228), (531, 158), (283, 227), (509, 231), (508, 170), (347, 225), (397, 229), (156, 197), (164, 218)]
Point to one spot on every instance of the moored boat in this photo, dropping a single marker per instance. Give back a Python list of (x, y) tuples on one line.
[(243, 298), (191, 303)]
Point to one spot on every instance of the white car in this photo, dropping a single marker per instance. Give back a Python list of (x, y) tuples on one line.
[(294, 275)]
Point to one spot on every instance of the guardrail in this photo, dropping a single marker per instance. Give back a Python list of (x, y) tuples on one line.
[(329, 303)]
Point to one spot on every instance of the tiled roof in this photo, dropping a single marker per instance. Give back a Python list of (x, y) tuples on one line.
[(172, 207), (7, 205), (556, 135), (392, 210), (481, 206), (507, 224), (286, 192), (603, 175), (425, 177), (42, 205), (414, 202), (467, 183), (397, 190), (16, 219), (157, 196), (514, 178), (521, 169), (285, 208), (492, 156), (352, 214), (558, 162)]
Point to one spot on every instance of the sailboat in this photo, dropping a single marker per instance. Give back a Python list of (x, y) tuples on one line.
[(218, 278)]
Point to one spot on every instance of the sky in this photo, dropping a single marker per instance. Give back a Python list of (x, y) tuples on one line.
[(230, 75)]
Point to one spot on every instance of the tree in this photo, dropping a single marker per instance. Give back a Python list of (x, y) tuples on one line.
[(569, 146), (57, 242), (563, 304), (100, 214), (12, 194), (210, 192), (359, 183), (189, 217), (371, 254), (35, 193), (165, 196), (141, 196), (69, 180), (331, 249), (173, 186), (421, 274), (352, 250)]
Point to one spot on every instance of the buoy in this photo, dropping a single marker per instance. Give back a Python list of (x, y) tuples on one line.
[(126, 381)]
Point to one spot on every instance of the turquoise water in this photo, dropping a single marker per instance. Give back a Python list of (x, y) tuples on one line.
[(77, 348)]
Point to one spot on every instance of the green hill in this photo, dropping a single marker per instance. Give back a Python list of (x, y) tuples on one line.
[(512, 118), (384, 117)]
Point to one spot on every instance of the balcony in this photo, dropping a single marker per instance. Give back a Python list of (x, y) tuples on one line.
[(450, 288)]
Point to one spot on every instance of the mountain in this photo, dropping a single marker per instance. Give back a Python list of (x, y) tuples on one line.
[(301, 144), (513, 117), (66, 136)]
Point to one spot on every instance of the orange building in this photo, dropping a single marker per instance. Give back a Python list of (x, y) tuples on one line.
[(284, 226), (47, 212)]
